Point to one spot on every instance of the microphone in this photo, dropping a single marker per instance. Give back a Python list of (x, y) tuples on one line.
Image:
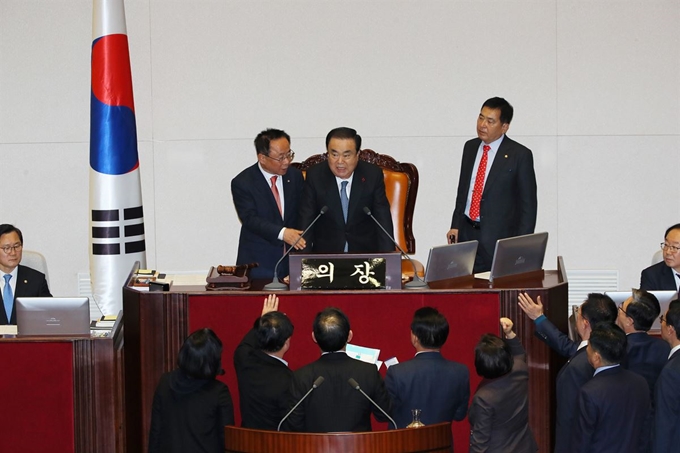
[(276, 285), (355, 385), (316, 383), (417, 282)]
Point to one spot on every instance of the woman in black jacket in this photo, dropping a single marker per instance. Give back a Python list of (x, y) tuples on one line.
[(191, 407)]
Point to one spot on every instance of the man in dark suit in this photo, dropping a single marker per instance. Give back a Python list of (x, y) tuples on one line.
[(346, 185), (336, 405), (666, 274), (667, 397), (17, 280), (263, 374), (613, 409), (499, 411), (497, 186), (577, 371), (645, 355), (440, 388), (266, 197)]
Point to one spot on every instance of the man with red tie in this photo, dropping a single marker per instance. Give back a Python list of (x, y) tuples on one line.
[(266, 197), (497, 186)]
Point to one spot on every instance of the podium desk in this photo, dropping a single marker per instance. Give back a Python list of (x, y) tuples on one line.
[(428, 439), (62, 394), (156, 324)]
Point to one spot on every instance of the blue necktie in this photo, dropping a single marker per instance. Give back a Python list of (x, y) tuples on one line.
[(344, 201), (8, 298)]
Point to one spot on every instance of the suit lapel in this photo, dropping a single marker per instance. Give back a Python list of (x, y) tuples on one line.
[(332, 195), (261, 185), (288, 193), (500, 162), (668, 277), (358, 183)]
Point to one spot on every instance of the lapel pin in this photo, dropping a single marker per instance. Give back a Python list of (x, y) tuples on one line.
[(25, 281), (506, 156)]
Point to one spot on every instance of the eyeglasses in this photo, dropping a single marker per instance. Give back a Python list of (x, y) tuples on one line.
[(662, 318), (621, 308), (671, 248), (288, 156), (11, 248)]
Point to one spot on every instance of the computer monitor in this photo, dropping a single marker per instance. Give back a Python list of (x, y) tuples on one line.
[(451, 261), (664, 298), (53, 315), (518, 255)]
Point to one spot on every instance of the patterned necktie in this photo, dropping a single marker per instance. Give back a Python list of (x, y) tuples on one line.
[(345, 205), (343, 199), (479, 184), (8, 298), (275, 191)]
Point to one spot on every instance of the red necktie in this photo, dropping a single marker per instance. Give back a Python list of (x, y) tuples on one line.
[(275, 191), (479, 184)]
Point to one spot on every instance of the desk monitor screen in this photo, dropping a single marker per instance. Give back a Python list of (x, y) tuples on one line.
[(664, 298), (451, 261), (53, 315), (518, 255)]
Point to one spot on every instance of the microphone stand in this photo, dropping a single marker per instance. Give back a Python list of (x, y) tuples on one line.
[(417, 282)]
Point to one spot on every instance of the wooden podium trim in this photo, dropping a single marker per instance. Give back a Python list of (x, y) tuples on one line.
[(429, 439)]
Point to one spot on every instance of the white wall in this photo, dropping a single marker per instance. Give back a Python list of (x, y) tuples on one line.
[(595, 85)]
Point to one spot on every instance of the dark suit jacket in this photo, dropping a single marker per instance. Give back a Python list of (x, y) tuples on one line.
[(439, 387), (509, 203), (263, 385), (658, 277), (335, 405), (571, 377), (499, 412), (330, 232), (667, 407), (613, 414), (646, 356), (189, 415), (261, 221), (30, 283)]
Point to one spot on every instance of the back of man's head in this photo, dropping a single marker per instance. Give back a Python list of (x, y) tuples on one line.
[(609, 341), (273, 329), (673, 317), (430, 327), (643, 309), (598, 308), (331, 329)]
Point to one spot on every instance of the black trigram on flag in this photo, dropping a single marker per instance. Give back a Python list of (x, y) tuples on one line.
[(107, 224)]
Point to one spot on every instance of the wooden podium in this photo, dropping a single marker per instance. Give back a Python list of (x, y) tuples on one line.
[(431, 439), (62, 394), (156, 324)]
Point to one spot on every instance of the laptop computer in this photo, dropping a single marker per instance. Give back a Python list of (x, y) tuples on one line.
[(518, 255), (451, 261), (53, 315), (664, 298)]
